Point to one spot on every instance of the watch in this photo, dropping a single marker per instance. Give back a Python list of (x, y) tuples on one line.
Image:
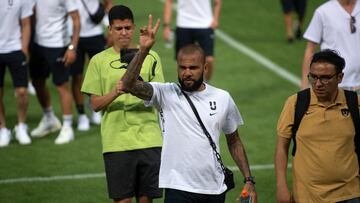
[(250, 179), (71, 47)]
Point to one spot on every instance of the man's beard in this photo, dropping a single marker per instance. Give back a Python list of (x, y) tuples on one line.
[(196, 85)]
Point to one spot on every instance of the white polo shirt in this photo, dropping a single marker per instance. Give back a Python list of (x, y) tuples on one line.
[(330, 27), (11, 12), (51, 18), (194, 14), (187, 159)]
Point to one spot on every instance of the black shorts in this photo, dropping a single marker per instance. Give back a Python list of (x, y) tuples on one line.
[(298, 6), (16, 61), (87, 45), (179, 196), (133, 173), (44, 61), (204, 37)]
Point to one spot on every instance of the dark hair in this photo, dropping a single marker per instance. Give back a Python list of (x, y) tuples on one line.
[(329, 56), (120, 12), (192, 49)]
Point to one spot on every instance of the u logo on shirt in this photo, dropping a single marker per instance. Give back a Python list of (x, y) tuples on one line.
[(10, 2), (345, 112), (212, 105)]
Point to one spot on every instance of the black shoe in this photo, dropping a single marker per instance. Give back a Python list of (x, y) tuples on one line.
[(298, 33), (290, 40)]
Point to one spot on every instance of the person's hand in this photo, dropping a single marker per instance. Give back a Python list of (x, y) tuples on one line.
[(69, 57), (166, 33), (147, 34), (250, 188), (119, 89), (214, 24), (26, 53), (283, 195)]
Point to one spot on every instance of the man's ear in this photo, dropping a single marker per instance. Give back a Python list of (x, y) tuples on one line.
[(206, 66), (109, 29), (340, 77)]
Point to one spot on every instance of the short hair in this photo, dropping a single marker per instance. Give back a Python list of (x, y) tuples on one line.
[(329, 56), (191, 49), (120, 12)]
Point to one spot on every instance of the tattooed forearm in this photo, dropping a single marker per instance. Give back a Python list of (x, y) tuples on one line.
[(143, 90), (133, 70), (238, 153)]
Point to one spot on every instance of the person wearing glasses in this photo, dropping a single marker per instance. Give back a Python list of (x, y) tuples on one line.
[(335, 25), (131, 136), (325, 167)]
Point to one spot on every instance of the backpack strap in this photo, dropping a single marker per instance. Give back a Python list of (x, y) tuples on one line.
[(352, 102), (302, 104)]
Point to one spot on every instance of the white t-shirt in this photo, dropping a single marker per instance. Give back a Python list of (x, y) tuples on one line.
[(194, 14), (330, 27), (88, 28), (11, 12), (187, 160), (51, 18)]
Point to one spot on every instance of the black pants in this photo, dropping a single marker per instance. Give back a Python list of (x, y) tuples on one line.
[(355, 200), (179, 196)]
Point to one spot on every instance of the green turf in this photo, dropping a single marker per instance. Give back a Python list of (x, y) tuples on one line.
[(258, 92)]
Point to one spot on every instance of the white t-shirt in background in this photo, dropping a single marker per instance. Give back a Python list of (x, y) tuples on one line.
[(194, 14), (88, 28), (51, 22), (11, 13), (330, 27)]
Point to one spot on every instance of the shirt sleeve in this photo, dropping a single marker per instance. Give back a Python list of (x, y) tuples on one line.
[(27, 8), (314, 32), (71, 5), (156, 97), (92, 80), (286, 119), (233, 118)]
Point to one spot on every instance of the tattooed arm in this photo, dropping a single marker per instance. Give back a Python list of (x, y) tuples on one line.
[(129, 81), (238, 153)]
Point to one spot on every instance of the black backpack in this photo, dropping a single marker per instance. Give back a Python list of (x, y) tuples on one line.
[(302, 104)]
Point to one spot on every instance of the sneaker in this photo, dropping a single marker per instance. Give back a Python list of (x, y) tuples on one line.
[(46, 126), (66, 135), (96, 118), (22, 135), (83, 123), (5, 137), (31, 89)]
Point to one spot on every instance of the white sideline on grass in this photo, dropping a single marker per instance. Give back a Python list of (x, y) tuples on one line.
[(101, 175)]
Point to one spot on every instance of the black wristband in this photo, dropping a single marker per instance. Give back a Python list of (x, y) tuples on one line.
[(250, 179), (166, 25)]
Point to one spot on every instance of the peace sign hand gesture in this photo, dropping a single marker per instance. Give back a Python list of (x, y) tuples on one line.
[(147, 34)]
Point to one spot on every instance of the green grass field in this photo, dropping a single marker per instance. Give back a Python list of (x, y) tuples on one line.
[(258, 92)]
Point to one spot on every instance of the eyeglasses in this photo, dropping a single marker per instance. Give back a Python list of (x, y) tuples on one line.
[(352, 24), (323, 79)]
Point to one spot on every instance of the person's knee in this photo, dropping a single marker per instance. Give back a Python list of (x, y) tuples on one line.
[(21, 92), (63, 89)]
